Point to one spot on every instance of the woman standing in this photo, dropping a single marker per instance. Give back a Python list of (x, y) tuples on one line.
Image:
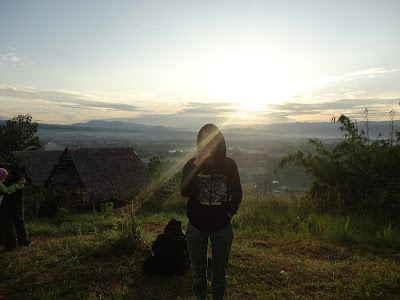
[(212, 184), (12, 212)]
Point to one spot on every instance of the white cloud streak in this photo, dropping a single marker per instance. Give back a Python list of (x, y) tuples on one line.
[(12, 58), (63, 98), (65, 107), (351, 76)]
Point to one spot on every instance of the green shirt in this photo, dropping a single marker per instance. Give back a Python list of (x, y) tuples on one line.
[(8, 190)]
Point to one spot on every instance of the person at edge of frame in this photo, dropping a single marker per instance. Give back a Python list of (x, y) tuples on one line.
[(11, 212)]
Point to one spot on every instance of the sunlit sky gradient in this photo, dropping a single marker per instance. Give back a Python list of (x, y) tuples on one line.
[(184, 63)]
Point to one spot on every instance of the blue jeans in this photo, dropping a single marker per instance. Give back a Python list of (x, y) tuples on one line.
[(221, 243)]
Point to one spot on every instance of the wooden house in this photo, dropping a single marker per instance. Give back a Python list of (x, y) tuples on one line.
[(37, 165), (91, 175)]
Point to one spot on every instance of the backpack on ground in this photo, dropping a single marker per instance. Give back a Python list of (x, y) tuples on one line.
[(170, 256)]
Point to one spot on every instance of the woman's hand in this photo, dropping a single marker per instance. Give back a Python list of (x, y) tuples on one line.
[(202, 156), (21, 182)]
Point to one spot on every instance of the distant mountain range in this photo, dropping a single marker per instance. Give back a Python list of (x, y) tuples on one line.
[(119, 124), (326, 130), (310, 130), (298, 129)]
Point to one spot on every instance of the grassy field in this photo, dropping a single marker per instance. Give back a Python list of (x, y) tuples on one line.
[(277, 254)]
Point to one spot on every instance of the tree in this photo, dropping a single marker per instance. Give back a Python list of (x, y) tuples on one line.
[(354, 175), (18, 134), (166, 183), (156, 166)]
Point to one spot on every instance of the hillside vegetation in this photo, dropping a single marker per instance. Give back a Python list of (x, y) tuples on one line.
[(276, 255), (338, 240), (358, 175)]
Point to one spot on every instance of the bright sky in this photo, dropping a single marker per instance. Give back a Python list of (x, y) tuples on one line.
[(185, 63)]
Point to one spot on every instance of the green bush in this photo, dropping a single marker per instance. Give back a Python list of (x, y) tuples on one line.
[(45, 202), (107, 208), (175, 204), (354, 176), (32, 203), (164, 189)]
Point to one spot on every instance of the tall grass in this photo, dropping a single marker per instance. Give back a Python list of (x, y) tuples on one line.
[(70, 225), (123, 234), (267, 214), (284, 215), (100, 256), (359, 229), (82, 255)]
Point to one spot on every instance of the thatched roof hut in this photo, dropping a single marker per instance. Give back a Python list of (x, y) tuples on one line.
[(100, 171), (38, 164)]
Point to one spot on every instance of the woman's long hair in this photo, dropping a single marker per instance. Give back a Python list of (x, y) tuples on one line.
[(15, 172)]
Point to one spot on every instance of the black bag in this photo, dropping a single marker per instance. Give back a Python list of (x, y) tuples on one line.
[(170, 256)]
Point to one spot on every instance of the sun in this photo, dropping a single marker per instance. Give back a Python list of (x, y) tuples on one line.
[(252, 82)]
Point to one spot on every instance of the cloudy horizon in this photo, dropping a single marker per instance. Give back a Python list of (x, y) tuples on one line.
[(183, 63)]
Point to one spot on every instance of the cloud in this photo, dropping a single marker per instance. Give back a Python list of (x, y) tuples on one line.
[(177, 120), (195, 114), (378, 108), (191, 115), (209, 108), (63, 98), (351, 76), (12, 58), (66, 107), (367, 83)]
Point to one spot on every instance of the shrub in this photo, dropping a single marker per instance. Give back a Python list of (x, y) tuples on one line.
[(107, 208), (45, 203), (165, 187), (354, 175)]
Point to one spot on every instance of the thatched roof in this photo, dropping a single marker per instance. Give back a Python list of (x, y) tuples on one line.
[(101, 171), (38, 164)]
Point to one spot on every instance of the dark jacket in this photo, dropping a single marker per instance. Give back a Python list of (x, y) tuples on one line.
[(14, 201), (214, 189)]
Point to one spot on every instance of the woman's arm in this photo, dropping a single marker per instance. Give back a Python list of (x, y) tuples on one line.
[(9, 190), (189, 175), (236, 189)]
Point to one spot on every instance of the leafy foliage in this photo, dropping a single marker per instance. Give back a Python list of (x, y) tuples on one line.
[(45, 202), (18, 134), (156, 166), (354, 175), (107, 208), (166, 184)]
